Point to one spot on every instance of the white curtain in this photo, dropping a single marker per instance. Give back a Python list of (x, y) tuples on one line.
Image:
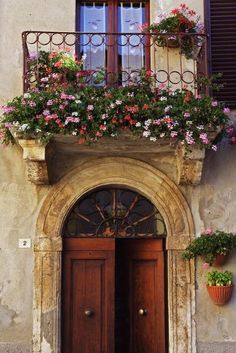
[(93, 20), (133, 54)]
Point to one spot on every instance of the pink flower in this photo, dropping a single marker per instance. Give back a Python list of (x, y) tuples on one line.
[(90, 108), (46, 112), (205, 265), (204, 138), (49, 102), (157, 122), (208, 231), (7, 109), (71, 119), (226, 110), (189, 138), (214, 103), (187, 115), (173, 133), (8, 125), (2, 135)]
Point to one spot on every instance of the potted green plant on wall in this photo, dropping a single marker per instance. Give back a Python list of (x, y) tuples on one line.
[(212, 246), (220, 286)]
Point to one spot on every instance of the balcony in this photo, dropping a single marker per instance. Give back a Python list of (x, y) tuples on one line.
[(114, 89), (117, 58)]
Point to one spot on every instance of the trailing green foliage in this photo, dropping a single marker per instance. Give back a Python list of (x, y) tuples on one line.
[(209, 244)]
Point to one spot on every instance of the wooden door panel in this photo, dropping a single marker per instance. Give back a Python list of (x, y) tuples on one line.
[(144, 285), (88, 298)]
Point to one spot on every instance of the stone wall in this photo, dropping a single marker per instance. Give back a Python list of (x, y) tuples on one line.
[(212, 203)]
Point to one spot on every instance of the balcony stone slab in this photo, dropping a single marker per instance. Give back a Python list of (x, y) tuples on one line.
[(38, 156)]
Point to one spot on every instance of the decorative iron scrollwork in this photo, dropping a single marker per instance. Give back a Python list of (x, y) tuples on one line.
[(114, 213)]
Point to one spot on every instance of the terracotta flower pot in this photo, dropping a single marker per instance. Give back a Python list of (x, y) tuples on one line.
[(220, 260), (220, 295)]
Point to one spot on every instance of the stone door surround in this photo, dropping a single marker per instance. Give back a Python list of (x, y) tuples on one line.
[(166, 197)]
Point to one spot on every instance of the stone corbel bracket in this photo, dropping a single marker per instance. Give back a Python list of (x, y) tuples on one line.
[(36, 156), (189, 165)]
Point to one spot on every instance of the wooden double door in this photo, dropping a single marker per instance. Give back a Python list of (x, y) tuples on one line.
[(113, 296)]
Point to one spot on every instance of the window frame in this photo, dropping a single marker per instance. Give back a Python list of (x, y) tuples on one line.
[(112, 27)]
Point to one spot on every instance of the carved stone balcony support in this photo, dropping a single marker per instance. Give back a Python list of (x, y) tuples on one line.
[(189, 165), (37, 157)]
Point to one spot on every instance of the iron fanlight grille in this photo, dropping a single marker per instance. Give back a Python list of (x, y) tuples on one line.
[(114, 213)]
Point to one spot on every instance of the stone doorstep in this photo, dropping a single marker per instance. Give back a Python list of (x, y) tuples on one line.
[(38, 155)]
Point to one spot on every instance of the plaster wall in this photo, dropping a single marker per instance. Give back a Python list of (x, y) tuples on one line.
[(213, 202)]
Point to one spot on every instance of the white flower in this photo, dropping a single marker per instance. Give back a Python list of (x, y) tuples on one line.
[(148, 122), (38, 130), (75, 114), (44, 79), (27, 95), (153, 139), (113, 135), (77, 101), (138, 124), (167, 108), (146, 133), (163, 98), (104, 116), (24, 127), (112, 105), (118, 102), (74, 133), (162, 134), (214, 147)]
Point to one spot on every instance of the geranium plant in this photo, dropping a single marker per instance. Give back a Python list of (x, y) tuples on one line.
[(91, 113), (178, 25), (55, 68), (209, 244)]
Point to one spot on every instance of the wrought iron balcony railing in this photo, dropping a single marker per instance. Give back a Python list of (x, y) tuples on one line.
[(173, 60)]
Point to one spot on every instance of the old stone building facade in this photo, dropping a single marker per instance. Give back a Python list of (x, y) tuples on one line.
[(191, 194)]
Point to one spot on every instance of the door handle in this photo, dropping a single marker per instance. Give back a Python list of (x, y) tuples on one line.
[(88, 312), (142, 312)]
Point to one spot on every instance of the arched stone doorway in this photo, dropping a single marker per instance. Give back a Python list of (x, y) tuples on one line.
[(113, 274), (164, 195)]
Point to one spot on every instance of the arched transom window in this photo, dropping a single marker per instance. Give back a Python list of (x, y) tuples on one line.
[(114, 213)]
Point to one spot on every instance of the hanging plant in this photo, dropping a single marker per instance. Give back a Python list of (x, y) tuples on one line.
[(210, 245), (220, 286)]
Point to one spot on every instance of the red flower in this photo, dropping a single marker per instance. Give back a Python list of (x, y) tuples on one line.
[(175, 11), (145, 106), (183, 6), (127, 117), (58, 64), (149, 73), (114, 121)]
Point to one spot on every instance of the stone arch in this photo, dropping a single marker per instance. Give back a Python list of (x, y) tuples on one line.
[(167, 198)]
